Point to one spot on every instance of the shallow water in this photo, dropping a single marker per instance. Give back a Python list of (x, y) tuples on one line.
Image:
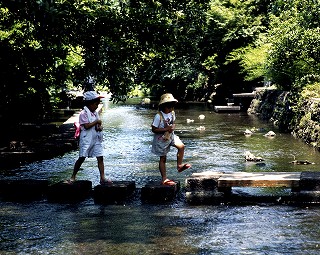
[(176, 228)]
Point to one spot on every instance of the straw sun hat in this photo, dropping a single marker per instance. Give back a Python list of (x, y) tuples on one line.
[(167, 98)]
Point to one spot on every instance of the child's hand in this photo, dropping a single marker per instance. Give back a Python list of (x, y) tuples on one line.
[(170, 129), (99, 128), (98, 125)]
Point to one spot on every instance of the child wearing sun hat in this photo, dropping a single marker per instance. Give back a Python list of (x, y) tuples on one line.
[(163, 128), (90, 141)]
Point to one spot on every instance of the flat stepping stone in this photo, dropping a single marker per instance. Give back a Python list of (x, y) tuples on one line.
[(203, 181), (23, 190), (155, 191), (243, 179), (309, 188), (231, 108), (116, 192), (310, 181), (216, 187), (260, 179), (70, 192)]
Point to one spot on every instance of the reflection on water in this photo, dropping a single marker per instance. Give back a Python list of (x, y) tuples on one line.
[(176, 228)]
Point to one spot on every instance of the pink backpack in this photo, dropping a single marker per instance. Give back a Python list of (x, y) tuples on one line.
[(78, 129)]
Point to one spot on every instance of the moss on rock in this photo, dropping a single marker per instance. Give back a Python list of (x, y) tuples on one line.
[(290, 114)]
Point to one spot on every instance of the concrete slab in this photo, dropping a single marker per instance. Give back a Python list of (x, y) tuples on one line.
[(260, 179), (226, 108)]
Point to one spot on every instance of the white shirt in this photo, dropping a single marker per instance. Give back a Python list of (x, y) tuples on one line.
[(160, 123)]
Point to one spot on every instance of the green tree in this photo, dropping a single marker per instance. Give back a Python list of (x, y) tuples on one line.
[(232, 28), (29, 63), (295, 39), (173, 32), (252, 59), (183, 47)]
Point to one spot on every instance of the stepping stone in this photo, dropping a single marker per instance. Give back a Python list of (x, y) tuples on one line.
[(156, 192), (309, 188), (23, 190), (310, 181), (116, 192), (202, 182), (231, 108), (65, 192), (208, 197)]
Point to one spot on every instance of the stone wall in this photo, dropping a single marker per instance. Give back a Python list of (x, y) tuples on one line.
[(307, 127), (301, 119)]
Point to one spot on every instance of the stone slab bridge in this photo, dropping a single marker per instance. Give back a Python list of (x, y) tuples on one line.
[(214, 188)]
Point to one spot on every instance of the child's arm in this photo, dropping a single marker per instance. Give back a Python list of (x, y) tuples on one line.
[(162, 130), (156, 123), (92, 124)]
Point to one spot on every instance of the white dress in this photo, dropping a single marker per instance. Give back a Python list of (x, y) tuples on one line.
[(90, 143), (160, 145)]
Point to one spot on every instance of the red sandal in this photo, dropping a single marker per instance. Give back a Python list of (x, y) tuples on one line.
[(168, 182), (184, 167)]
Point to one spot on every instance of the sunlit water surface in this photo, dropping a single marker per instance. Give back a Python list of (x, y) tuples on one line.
[(41, 227)]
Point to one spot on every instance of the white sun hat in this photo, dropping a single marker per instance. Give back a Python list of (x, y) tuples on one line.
[(91, 95)]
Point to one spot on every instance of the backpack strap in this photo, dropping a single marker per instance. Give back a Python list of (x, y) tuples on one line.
[(173, 116), (162, 118)]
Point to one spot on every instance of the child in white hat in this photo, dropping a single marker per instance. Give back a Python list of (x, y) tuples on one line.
[(163, 128), (90, 143)]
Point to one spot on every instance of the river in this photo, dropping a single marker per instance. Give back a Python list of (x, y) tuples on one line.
[(40, 227)]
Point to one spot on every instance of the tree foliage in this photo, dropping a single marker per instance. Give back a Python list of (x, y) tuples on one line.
[(182, 47), (295, 39)]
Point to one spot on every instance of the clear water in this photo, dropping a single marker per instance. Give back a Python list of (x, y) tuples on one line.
[(40, 227)]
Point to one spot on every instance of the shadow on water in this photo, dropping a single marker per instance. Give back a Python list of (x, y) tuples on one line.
[(175, 228)]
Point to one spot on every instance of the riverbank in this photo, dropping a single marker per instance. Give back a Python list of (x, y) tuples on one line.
[(37, 142), (300, 118), (42, 141)]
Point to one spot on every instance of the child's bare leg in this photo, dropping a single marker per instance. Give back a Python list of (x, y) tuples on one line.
[(76, 168), (162, 167), (180, 154), (101, 168), (180, 166)]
